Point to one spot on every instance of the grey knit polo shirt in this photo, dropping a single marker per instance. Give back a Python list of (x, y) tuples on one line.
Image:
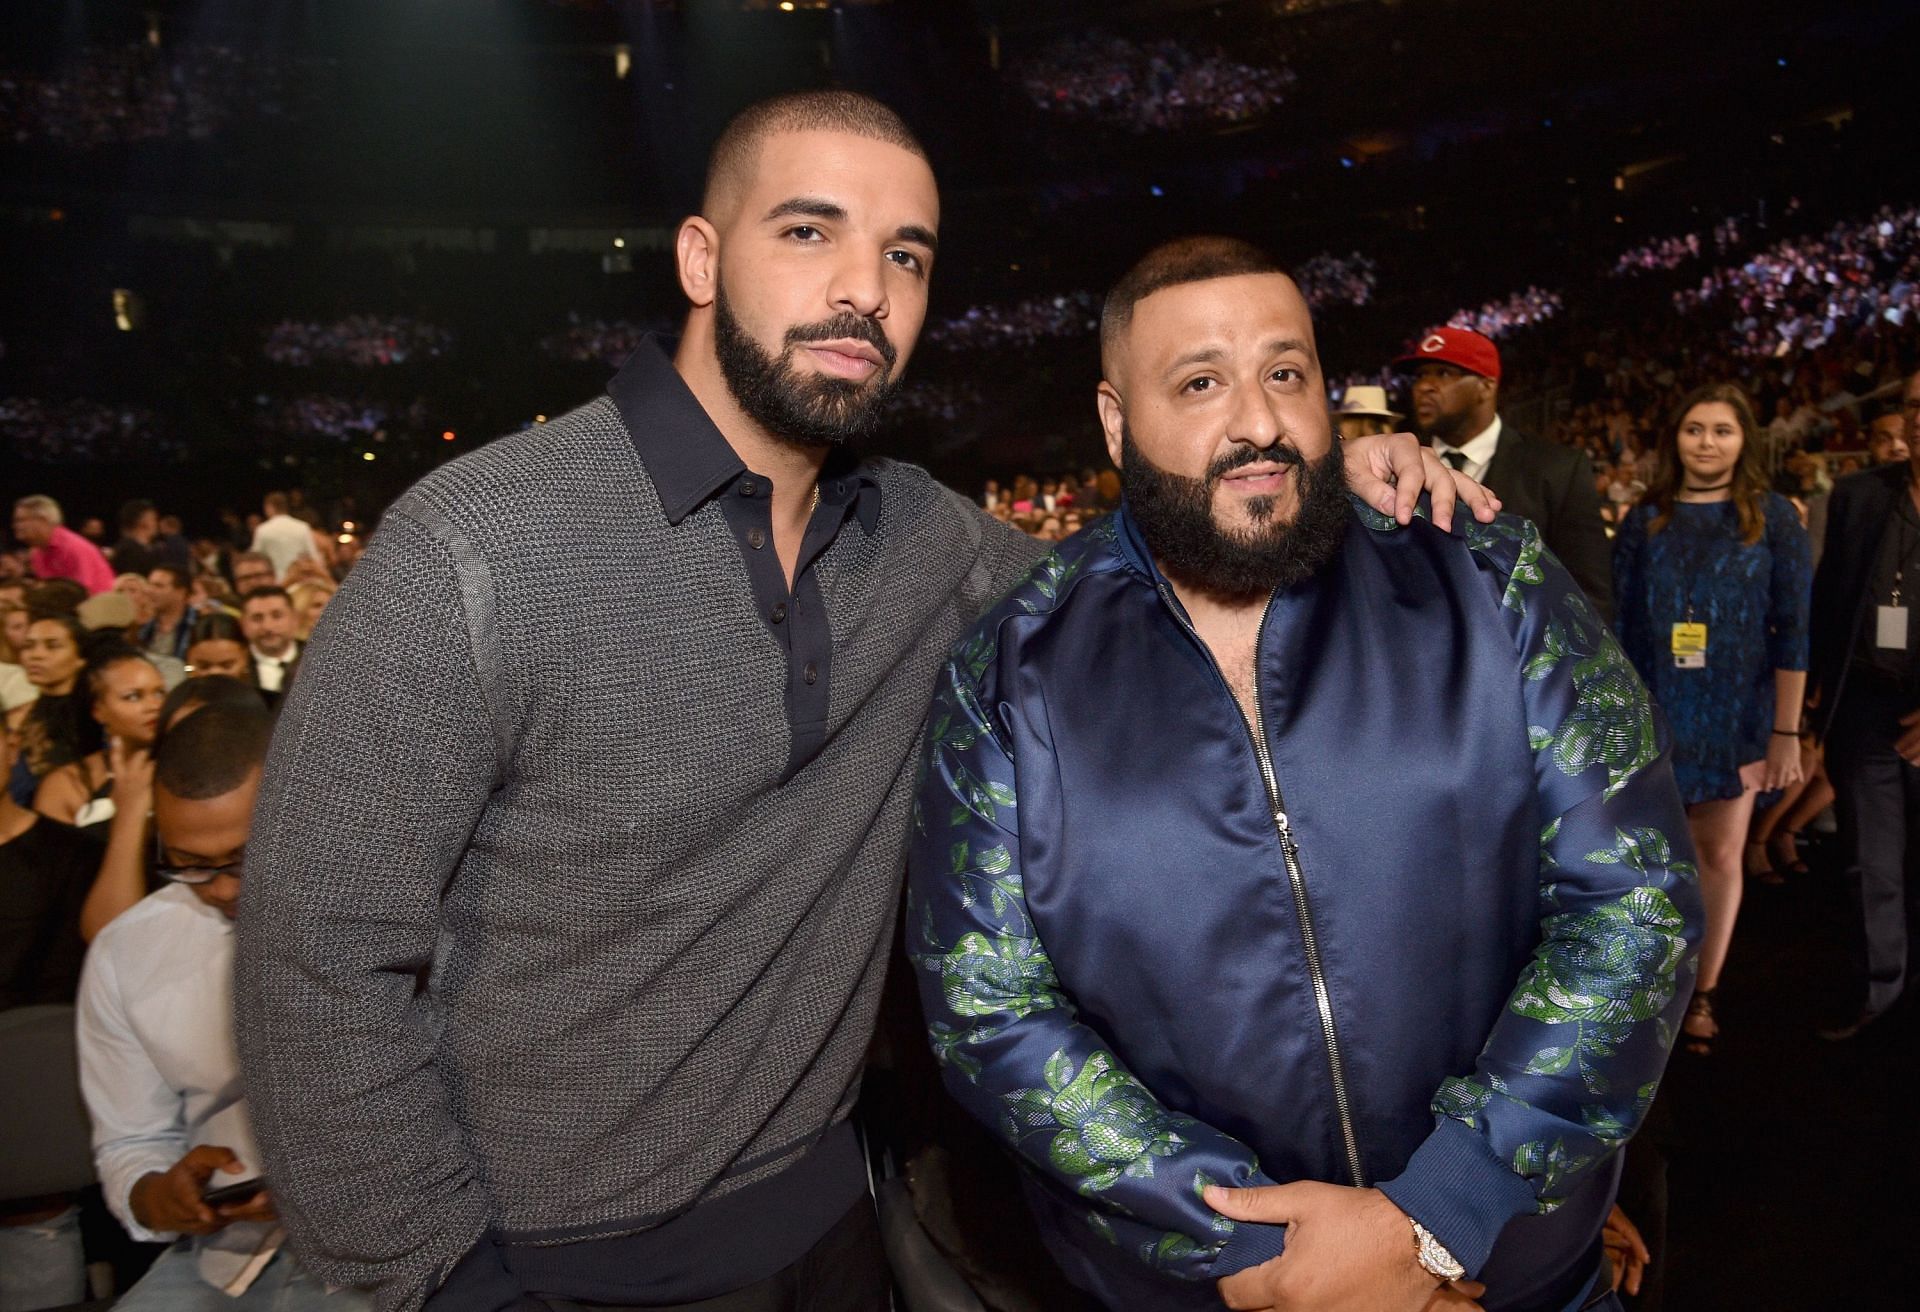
[(534, 942)]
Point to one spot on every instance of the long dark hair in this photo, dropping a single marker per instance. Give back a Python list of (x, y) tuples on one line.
[(59, 730), (1749, 477)]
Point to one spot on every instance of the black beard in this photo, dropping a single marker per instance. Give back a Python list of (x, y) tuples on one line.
[(810, 412), (1175, 514)]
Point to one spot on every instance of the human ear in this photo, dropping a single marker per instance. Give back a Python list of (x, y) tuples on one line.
[(1113, 418), (696, 252)]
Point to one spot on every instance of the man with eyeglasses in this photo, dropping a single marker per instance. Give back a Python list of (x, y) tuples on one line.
[(157, 1060)]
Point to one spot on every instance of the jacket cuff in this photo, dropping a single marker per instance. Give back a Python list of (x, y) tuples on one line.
[(1455, 1187), (479, 1282), (1250, 1244)]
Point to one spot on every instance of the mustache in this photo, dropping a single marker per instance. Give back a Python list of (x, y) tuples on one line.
[(1283, 453), (846, 326)]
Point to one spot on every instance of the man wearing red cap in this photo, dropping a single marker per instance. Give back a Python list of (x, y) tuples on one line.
[(1456, 397)]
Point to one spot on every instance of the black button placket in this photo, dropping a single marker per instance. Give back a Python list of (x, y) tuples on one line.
[(796, 617)]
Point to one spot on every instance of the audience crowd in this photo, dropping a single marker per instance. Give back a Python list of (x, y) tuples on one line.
[(81, 431), (984, 327), (1800, 293), (136, 93), (106, 649), (1148, 86), (1521, 310), (605, 341), (361, 340), (315, 415), (1328, 280), (1665, 254)]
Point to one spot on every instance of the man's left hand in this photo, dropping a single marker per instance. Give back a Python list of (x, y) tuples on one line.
[(1908, 743), (1389, 471), (1348, 1250)]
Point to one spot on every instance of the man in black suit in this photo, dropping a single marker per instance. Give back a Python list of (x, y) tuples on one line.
[(1864, 680), (266, 617), (1456, 409)]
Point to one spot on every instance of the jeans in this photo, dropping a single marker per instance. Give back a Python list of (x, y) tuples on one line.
[(174, 1285), (41, 1264)]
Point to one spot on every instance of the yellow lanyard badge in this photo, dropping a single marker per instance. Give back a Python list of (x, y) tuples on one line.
[(1690, 646)]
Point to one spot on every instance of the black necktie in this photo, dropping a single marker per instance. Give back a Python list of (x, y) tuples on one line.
[(1458, 459)]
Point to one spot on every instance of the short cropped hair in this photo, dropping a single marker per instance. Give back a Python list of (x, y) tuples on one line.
[(1170, 264), (173, 572), (266, 590), (44, 506), (275, 503), (132, 512), (212, 751), (208, 690), (738, 149)]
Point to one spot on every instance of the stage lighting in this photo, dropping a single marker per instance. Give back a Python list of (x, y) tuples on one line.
[(447, 436), (367, 455), (622, 61)]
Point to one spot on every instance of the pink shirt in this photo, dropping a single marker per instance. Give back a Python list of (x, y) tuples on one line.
[(67, 555)]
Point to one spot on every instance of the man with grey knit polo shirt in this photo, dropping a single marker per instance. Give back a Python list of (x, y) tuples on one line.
[(558, 997)]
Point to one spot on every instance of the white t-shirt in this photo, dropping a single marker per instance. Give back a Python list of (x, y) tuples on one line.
[(283, 540)]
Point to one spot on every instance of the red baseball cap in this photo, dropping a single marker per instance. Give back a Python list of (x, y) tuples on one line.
[(1461, 347)]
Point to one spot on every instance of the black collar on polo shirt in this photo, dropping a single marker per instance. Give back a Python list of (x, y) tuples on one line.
[(686, 456)]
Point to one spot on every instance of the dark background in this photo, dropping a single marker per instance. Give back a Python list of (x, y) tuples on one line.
[(419, 156)]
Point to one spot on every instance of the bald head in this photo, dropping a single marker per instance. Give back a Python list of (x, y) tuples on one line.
[(736, 153)]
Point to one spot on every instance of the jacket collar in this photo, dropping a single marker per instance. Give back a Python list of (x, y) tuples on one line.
[(685, 454), (1132, 546)]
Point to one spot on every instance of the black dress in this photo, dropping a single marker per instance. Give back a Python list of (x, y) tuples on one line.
[(44, 877)]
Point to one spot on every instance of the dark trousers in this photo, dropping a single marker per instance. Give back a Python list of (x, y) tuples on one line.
[(1877, 796), (845, 1272)]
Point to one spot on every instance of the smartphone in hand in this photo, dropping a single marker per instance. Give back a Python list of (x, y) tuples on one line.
[(233, 1193)]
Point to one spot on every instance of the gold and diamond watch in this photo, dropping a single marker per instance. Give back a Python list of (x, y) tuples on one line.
[(1434, 1258)]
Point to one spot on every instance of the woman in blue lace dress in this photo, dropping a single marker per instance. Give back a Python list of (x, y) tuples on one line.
[(1714, 576)]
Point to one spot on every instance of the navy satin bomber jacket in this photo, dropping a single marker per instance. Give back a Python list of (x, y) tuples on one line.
[(1427, 922)]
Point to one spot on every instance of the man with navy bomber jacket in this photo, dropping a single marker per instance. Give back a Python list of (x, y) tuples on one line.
[(1289, 992)]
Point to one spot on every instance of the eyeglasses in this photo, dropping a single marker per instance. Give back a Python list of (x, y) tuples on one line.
[(193, 874)]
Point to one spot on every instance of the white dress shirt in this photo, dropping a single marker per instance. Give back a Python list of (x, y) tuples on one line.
[(272, 670), (158, 1063), (1478, 450), (283, 540)]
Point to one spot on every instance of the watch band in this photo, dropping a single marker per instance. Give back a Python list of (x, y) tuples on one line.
[(1433, 1256)]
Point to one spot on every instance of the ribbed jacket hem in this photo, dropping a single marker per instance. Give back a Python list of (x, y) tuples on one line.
[(1455, 1187)]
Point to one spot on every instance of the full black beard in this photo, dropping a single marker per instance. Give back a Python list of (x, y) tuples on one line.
[(1175, 514), (810, 412)]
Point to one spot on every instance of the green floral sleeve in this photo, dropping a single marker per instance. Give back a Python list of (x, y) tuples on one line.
[(1572, 1064)]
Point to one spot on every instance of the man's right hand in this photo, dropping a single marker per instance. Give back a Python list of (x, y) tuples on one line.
[(169, 1201)]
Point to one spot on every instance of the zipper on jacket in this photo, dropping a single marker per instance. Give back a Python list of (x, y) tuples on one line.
[(1290, 855)]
